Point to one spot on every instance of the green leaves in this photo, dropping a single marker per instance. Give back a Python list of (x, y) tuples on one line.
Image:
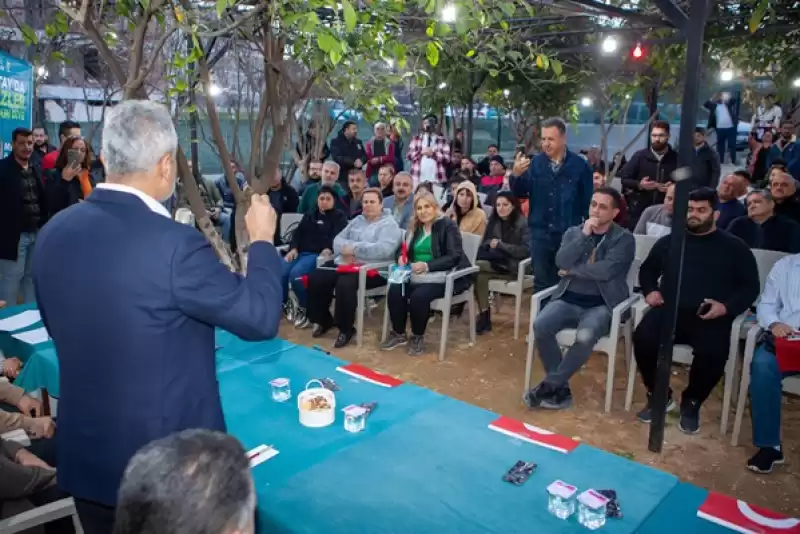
[(311, 22), (326, 42), (222, 5), (349, 15), (432, 53), (758, 15), (29, 35), (556, 66)]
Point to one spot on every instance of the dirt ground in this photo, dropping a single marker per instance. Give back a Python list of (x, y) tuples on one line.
[(491, 375)]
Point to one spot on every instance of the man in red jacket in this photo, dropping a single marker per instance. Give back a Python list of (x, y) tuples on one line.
[(66, 130), (380, 152)]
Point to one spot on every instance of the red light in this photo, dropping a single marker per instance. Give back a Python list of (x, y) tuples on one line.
[(638, 52)]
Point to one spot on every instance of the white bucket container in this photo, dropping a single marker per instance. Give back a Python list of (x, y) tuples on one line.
[(320, 417)]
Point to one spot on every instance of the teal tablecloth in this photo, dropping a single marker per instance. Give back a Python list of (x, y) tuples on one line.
[(678, 513), (40, 368)]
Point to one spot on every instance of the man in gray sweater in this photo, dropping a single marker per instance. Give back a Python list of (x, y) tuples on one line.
[(593, 262), (657, 220)]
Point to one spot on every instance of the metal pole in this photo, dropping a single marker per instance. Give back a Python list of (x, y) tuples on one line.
[(652, 105), (470, 112), (499, 129), (672, 276)]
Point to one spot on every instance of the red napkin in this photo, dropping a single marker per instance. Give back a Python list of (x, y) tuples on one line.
[(365, 373), (352, 268), (532, 434), (787, 351), (742, 517)]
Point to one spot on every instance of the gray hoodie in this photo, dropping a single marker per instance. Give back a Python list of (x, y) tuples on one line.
[(371, 241)]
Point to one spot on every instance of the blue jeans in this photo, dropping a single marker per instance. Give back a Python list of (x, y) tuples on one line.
[(16, 275), (591, 324), (765, 398), (726, 139), (543, 260), (225, 222), (303, 264)]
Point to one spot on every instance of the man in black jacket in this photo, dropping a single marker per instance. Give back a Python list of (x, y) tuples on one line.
[(348, 151), (761, 228), (284, 199), (705, 164), (23, 211), (646, 176), (784, 190), (719, 281)]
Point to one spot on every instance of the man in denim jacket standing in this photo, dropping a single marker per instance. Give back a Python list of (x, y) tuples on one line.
[(559, 185), (593, 262)]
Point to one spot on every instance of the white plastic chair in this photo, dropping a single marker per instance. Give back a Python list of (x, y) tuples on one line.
[(644, 243), (439, 192), (42, 515), (289, 222), (791, 384), (482, 198), (514, 288), (616, 183), (608, 344), (470, 244)]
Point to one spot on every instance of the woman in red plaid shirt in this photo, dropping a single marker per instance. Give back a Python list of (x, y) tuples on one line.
[(429, 154)]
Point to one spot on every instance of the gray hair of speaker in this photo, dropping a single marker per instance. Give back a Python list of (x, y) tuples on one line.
[(331, 165), (196, 481), (136, 135), (557, 123)]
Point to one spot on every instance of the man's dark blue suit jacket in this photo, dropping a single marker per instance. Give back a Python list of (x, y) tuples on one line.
[(131, 299)]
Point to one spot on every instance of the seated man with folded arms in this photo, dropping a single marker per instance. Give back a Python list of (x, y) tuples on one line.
[(719, 280), (593, 262), (779, 316), (762, 229)]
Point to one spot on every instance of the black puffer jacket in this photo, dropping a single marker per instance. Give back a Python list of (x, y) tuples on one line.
[(515, 240), (61, 193), (317, 229), (645, 164), (345, 152), (446, 246)]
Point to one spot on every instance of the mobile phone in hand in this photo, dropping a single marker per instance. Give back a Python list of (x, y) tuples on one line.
[(73, 157), (704, 308)]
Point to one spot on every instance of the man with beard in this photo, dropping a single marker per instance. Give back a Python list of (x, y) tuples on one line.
[(705, 164), (41, 146), (330, 175), (719, 281), (380, 152), (645, 177), (23, 211), (429, 154), (786, 149), (348, 151)]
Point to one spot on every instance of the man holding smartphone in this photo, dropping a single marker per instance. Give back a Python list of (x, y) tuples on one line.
[(719, 281)]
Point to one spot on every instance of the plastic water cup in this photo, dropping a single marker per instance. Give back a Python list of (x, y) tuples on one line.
[(281, 390), (592, 509), (355, 418), (561, 499)]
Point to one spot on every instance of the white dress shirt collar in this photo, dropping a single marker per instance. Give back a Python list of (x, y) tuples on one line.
[(154, 205)]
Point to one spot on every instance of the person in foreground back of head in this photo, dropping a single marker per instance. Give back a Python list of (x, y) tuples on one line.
[(192, 482), (719, 280), (134, 324)]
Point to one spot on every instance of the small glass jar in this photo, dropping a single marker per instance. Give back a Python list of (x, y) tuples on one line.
[(561, 499), (592, 509), (281, 390), (355, 418)]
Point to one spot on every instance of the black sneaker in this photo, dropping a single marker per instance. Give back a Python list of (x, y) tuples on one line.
[(343, 339), (764, 459), (484, 323), (646, 415), (560, 400), (394, 340), (416, 346), (690, 417), (536, 395), (319, 330)]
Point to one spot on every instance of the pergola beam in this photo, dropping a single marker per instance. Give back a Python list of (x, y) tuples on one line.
[(674, 13)]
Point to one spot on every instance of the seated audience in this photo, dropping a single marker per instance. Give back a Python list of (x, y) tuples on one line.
[(380, 152), (434, 249), (719, 281), (593, 262), (371, 237), (466, 210), (470, 168), (400, 204), (493, 182), (29, 418), (356, 183), (311, 175), (228, 198), (779, 315), (330, 178), (599, 179), (195, 481), (729, 206), (425, 186), (283, 199), (384, 180), (785, 149), (450, 192), (762, 229), (484, 165), (27, 481), (784, 190), (456, 155), (312, 238), (70, 181), (656, 220), (506, 242)]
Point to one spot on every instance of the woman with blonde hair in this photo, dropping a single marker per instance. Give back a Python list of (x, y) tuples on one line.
[(432, 249), (466, 210)]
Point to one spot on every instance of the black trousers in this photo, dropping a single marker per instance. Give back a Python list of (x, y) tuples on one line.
[(321, 285), (96, 518), (710, 340), (414, 301)]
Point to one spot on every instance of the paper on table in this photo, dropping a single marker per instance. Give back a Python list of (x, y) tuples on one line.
[(21, 320), (33, 337)]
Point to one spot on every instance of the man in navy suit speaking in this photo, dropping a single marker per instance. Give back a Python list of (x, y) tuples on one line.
[(131, 298)]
